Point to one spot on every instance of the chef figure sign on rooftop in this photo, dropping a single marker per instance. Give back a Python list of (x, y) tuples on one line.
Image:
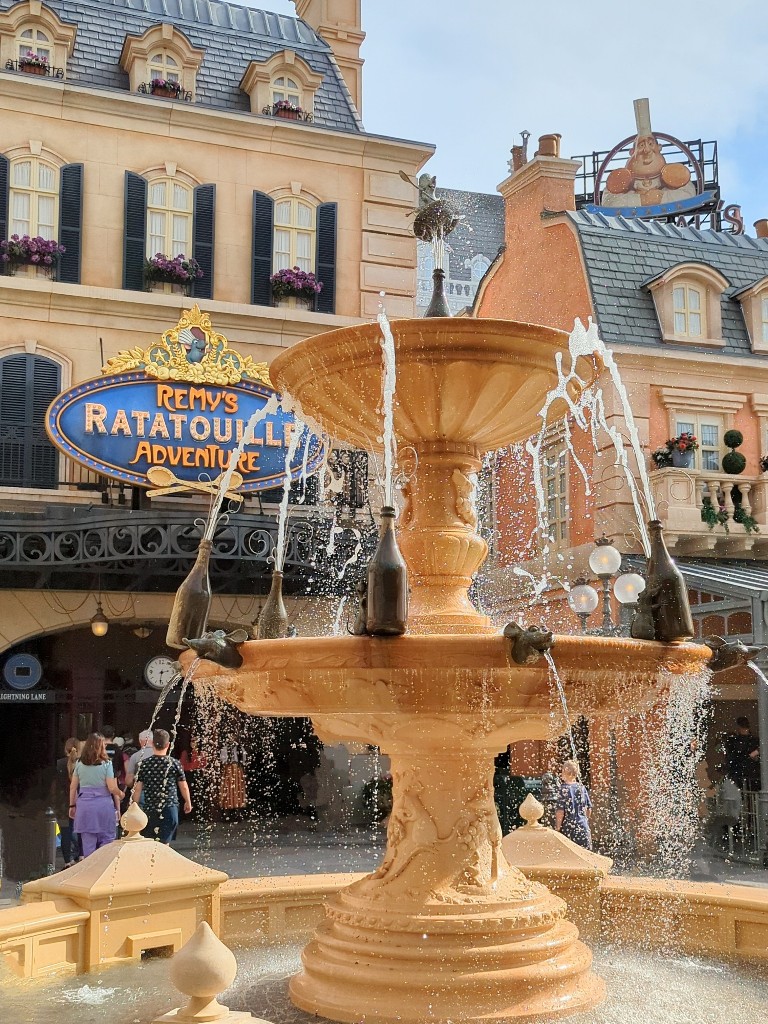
[(647, 179)]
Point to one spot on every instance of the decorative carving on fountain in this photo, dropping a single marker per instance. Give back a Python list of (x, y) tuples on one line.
[(466, 496)]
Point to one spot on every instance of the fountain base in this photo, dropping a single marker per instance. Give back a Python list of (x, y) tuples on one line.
[(445, 929), (502, 959)]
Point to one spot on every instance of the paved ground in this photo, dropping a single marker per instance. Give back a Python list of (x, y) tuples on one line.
[(296, 846)]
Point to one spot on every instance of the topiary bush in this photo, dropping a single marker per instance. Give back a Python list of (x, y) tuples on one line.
[(734, 462)]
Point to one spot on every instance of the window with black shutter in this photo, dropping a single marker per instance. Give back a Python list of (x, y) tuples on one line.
[(28, 385), (326, 257), (135, 232), (202, 238), (263, 227), (70, 222)]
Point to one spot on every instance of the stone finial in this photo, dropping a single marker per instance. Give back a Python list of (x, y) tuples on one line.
[(532, 811), (202, 969), (133, 821)]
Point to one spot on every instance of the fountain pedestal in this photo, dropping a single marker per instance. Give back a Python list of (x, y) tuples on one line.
[(445, 929)]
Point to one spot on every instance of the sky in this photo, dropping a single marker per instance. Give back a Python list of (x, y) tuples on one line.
[(469, 75)]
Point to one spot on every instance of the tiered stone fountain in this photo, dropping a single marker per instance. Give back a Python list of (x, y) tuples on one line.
[(445, 929)]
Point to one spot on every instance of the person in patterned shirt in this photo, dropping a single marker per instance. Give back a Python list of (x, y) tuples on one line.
[(160, 778)]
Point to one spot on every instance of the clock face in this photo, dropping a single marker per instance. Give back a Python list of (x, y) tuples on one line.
[(159, 671)]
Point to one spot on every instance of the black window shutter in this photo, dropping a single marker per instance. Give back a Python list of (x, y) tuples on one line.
[(28, 385), (326, 257), (263, 224), (71, 222), (4, 180), (135, 237), (202, 239)]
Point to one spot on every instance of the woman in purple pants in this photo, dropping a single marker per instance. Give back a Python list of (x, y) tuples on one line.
[(94, 796)]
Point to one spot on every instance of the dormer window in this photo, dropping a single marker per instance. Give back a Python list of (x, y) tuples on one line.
[(754, 305), (162, 65), (162, 62), (688, 301), (687, 304), (33, 39), (282, 86)]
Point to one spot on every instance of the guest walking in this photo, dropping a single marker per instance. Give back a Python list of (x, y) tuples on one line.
[(65, 766), (94, 796), (160, 779), (574, 807)]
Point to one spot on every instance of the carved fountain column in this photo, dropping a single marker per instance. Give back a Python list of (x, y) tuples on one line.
[(439, 540)]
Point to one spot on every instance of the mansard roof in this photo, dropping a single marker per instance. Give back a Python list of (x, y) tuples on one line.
[(231, 35), (621, 256)]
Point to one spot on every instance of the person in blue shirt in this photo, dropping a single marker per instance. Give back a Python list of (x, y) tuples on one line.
[(574, 807)]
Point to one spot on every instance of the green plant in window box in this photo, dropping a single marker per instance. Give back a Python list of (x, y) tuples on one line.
[(713, 516), (764, 463), (734, 462)]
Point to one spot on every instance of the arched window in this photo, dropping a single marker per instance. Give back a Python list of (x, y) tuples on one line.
[(34, 40), (285, 88), (688, 309), (28, 385), (162, 64), (34, 197), (294, 242), (169, 217)]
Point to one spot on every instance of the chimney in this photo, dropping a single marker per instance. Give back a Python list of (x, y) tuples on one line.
[(545, 183), (339, 23), (761, 228)]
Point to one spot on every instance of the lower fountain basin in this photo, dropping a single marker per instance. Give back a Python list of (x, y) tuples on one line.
[(462, 676)]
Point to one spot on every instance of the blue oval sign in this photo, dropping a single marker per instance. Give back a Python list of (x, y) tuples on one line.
[(127, 424)]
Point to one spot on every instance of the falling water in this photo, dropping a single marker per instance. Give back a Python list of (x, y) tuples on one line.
[(588, 344), (758, 672), (226, 478), (671, 790), (555, 676), (389, 378), (336, 628), (282, 520)]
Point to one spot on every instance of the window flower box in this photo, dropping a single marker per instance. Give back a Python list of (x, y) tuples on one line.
[(23, 251), (287, 111), (164, 88), (178, 271), (33, 64), (295, 288)]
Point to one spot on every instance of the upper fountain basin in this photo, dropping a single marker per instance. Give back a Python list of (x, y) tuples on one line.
[(459, 381), (462, 677)]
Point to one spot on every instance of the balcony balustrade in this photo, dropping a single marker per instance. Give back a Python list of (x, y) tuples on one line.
[(680, 496)]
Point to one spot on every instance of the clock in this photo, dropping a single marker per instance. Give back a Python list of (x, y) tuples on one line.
[(159, 671)]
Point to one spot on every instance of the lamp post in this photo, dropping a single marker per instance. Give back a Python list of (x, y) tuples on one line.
[(605, 562)]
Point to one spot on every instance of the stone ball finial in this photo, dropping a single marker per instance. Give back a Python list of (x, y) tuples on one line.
[(532, 811), (202, 969), (133, 821)]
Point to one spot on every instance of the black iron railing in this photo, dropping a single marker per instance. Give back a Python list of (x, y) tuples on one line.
[(171, 91), (41, 71)]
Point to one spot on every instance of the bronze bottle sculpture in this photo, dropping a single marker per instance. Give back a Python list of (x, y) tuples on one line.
[(273, 621), (192, 603), (387, 590), (663, 609)]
